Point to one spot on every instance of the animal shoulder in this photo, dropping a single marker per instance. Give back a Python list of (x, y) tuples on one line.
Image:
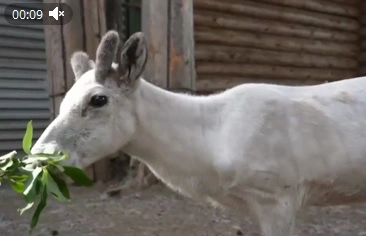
[(256, 96)]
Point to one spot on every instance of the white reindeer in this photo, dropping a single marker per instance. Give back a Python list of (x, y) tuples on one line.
[(272, 148)]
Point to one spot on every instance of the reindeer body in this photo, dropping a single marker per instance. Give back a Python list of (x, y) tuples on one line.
[(257, 143), (272, 148)]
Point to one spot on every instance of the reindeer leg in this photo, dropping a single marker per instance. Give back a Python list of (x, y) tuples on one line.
[(275, 218)]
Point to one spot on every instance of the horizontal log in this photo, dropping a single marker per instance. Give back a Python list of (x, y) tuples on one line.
[(362, 70), (210, 84), (363, 20), (218, 53), (363, 32), (229, 21), (267, 41), (271, 12), (348, 2), (319, 6), (214, 68), (363, 45), (362, 58)]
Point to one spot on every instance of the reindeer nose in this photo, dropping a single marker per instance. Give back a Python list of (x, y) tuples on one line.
[(53, 148), (49, 148)]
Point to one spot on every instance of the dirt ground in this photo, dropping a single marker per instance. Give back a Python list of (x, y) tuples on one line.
[(159, 212)]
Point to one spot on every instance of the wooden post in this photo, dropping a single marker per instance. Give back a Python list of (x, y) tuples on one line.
[(182, 73), (155, 22), (168, 27), (55, 64), (82, 33), (73, 38)]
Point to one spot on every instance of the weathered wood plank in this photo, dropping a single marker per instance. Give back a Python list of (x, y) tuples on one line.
[(362, 70), (226, 69), (348, 2), (92, 31), (363, 32), (219, 53), (102, 17), (181, 47), (73, 37), (320, 6), (362, 57), (55, 64), (155, 27), (236, 22), (273, 12), (362, 7), (363, 45), (363, 20), (362, 41), (267, 41)]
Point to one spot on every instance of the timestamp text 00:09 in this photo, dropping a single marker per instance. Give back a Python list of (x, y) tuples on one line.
[(31, 14)]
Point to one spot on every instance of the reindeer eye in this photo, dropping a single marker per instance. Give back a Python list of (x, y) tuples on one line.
[(98, 100)]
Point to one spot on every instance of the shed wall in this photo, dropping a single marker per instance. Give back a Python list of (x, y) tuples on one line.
[(284, 42), (362, 57), (23, 81)]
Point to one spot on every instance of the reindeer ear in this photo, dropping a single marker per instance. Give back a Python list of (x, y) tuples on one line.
[(133, 57), (105, 54), (80, 63)]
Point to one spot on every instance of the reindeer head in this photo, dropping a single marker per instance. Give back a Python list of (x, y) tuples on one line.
[(97, 114)]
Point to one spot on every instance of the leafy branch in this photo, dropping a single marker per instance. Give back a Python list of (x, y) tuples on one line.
[(39, 176)]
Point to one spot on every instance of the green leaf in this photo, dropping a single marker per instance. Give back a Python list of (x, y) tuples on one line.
[(41, 205), (24, 209), (33, 159), (20, 178), (14, 168), (7, 165), (8, 156), (45, 157), (38, 186), (58, 158), (61, 185), (17, 186), (27, 139), (43, 202), (78, 176), (28, 168), (58, 168), (53, 187), (31, 197), (30, 191), (4, 162)]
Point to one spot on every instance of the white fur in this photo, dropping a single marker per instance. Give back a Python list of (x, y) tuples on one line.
[(275, 149)]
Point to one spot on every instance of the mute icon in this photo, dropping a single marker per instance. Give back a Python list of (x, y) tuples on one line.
[(54, 13)]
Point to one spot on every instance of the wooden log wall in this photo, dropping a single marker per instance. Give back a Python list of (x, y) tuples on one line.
[(285, 42), (362, 57)]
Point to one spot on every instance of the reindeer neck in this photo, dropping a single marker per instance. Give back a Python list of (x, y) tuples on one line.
[(174, 127)]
